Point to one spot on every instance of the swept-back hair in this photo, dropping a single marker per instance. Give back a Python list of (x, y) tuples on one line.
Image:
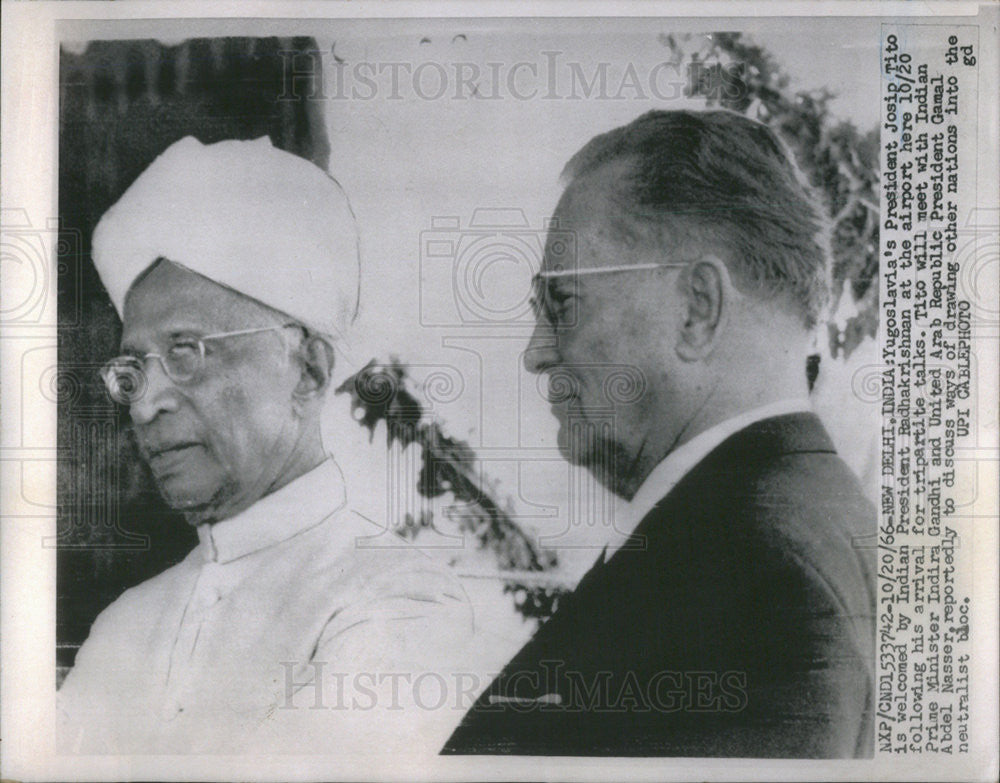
[(719, 180)]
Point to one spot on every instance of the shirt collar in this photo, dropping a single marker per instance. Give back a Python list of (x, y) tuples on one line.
[(666, 475), (294, 508)]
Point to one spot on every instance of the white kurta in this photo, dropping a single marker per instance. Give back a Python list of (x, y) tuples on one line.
[(232, 649)]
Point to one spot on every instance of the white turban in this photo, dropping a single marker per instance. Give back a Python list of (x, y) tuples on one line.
[(263, 222)]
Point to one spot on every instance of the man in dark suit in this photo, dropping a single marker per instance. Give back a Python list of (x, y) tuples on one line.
[(735, 616)]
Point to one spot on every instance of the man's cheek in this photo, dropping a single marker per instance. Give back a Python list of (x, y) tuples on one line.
[(246, 424), (234, 415), (245, 434), (232, 397)]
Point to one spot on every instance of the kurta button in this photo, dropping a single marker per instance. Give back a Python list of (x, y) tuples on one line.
[(171, 709), (208, 598)]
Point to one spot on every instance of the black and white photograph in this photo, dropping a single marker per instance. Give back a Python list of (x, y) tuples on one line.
[(443, 394)]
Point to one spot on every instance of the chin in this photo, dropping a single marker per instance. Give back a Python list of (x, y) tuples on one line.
[(188, 496), (606, 460)]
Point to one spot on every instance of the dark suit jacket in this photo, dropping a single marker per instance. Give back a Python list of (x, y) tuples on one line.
[(742, 625)]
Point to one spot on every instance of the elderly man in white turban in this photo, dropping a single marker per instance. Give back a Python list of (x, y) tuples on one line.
[(234, 267)]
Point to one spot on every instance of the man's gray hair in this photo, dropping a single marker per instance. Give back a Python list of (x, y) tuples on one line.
[(720, 180)]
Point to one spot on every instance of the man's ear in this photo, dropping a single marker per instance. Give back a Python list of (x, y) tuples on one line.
[(706, 289), (316, 358)]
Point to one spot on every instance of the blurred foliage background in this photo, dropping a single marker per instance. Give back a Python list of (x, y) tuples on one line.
[(839, 159)]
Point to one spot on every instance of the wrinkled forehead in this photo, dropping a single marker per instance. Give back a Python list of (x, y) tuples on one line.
[(167, 298)]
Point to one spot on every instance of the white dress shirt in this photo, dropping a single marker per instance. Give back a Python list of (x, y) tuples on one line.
[(679, 462), (223, 651)]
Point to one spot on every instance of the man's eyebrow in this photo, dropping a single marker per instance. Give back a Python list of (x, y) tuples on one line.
[(546, 279), (564, 285), (171, 336)]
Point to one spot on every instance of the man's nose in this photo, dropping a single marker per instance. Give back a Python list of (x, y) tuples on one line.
[(542, 351), (159, 394)]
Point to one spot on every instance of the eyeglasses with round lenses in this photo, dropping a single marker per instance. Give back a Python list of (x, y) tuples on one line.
[(125, 376)]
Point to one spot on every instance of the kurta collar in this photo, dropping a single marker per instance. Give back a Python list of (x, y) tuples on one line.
[(294, 508)]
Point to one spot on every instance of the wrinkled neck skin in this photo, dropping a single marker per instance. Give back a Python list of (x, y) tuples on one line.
[(306, 454), (746, 376)]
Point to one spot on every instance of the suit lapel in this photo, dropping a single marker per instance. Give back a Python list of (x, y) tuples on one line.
[(582, 627)]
